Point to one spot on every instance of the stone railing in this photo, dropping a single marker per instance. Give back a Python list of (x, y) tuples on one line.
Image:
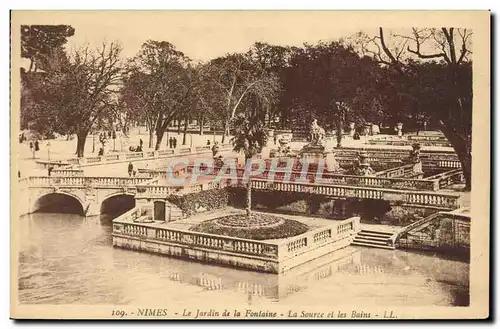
[(49, 181), (140, 155), (265, 250), (124, 226), (424, 198), (318, 237), (427, 138), (44, 164), (441, 163), (448, 178), (401, 171), (399, 142), (67, 172), (462, 232)]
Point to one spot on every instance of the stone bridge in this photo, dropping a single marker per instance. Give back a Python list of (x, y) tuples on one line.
[(89, 192)]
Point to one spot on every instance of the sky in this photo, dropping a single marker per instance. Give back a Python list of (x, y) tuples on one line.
[(200, 35)]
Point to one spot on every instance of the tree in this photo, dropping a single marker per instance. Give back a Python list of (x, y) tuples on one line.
[(38, 42), (237, 78), (82, 90), (336, 84), (250, 137), (135, 97), (167, 83), (431, 70), (275, 60)]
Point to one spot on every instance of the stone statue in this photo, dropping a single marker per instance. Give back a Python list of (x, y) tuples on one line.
[(414, 159), (284, 148), (415, 153), (316, 133), (362, 167)]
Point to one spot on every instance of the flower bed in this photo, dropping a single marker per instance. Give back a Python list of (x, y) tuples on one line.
[(258, 227)]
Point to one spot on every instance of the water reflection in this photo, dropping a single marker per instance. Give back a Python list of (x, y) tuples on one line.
[(67, 258)]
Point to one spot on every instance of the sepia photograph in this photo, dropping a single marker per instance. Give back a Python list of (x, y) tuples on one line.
[(250, 165)]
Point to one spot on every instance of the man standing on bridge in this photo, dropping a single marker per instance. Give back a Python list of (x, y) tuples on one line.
[(130, 169)]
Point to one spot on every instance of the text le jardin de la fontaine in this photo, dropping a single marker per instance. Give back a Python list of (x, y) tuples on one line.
[(249, 313)]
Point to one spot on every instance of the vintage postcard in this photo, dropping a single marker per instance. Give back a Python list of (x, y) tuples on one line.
[(250, 165)]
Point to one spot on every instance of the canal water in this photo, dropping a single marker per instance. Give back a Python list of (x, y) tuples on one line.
[(69, 259)]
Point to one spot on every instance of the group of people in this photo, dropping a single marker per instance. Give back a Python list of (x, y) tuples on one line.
[(22, 138), (34, 147), (172, 142)]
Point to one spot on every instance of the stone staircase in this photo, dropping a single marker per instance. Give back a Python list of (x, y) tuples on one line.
[(373, 239)]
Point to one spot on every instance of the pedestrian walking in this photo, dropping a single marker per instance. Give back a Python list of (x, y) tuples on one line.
[(140, 142), (130, 169), (215, 149), (170, 142), (175, 142), (18, 174), (37, 146), (275, 139), (50, 170)]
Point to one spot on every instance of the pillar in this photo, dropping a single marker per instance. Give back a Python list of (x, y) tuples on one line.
[(92, 208)]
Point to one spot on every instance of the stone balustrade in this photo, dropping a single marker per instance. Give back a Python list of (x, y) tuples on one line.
[(402, 142), (316, 238), (196, 239), (142, 155), (448, 178), (67, 172), (124, 226), (439, 200), (458, 234), (400, 171), (48, 181)]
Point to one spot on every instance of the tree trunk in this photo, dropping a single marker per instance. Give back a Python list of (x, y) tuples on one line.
[(249, 199), (201, 125), (461, 145), (224, 128), (151, 136), (80, 143), (160, 131), (338, 132), (185, 131)]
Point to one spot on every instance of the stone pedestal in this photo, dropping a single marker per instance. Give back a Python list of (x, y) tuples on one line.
[(417, 168), (330, 162), (399, 128), (312, 152), (352, 129), (317, 153)]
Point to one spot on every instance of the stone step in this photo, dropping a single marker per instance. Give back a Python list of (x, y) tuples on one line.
[(370, 245), (365, 240), (371, 237), (376, 233)]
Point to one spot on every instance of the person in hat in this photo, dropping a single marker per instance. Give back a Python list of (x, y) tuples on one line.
[(130, 169)]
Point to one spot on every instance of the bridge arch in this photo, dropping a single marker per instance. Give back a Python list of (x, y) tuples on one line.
[(58, 202), (117, 203)]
